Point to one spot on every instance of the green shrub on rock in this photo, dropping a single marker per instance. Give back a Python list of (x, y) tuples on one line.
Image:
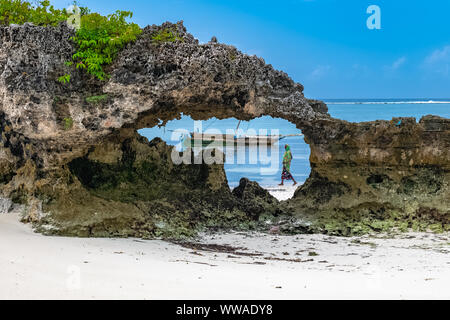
[(20, 12), (100, 39)]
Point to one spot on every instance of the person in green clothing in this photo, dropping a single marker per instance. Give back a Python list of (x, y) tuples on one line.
[(287, 159)]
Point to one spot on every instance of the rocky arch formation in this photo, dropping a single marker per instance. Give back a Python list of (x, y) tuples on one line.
[(71, 155)]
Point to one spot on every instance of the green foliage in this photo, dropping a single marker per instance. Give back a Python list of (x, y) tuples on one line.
[(83, 10), (68, 123), (20, 12), (97, 99), (64, 79), (165, 35), (101, 38)]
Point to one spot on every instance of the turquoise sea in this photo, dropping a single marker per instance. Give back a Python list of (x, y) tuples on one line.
[(265, 166)]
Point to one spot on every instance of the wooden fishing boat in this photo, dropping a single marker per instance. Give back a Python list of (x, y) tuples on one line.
[(223, 140), (202, 140)]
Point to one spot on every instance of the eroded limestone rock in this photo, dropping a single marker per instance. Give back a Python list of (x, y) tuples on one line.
[(378, 175), (72, 156), (140, 193)]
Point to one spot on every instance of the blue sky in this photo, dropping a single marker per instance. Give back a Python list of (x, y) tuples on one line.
[(323, 44)]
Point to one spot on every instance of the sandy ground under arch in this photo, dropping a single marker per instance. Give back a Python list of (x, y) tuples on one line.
[(224, 266)]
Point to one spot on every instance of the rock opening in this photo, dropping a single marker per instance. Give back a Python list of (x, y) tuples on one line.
[(251, 155)]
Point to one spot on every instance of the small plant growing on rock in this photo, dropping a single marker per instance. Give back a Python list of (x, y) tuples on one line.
[(97, 99), (64, 79), (165, 35), (68, 123)]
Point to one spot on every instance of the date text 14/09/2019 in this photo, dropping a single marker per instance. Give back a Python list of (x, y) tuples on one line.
[(226, 310)]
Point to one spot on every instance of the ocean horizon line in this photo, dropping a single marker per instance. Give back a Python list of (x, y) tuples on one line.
[(389, 101)]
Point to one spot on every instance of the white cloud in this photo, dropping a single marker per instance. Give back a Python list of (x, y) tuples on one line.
[(320, 71), (391, 70), (439, 61), (439, 55), (396, 64)]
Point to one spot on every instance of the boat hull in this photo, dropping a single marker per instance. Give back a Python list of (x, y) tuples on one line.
[(230, 141)]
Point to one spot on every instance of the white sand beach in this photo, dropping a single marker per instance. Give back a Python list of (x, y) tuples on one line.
[(283, 193), (225, 266)]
